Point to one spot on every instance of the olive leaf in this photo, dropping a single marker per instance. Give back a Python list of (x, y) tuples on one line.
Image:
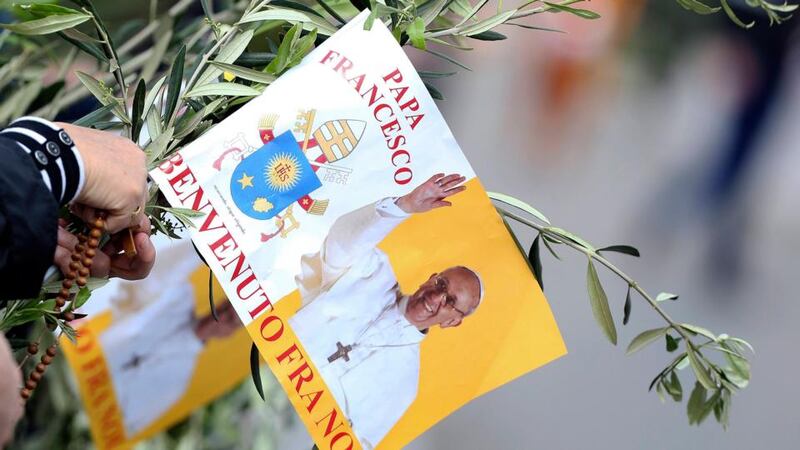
[(644, 338), (536, 261), (255, 370), (599, 302), (626, 311), (47, 25)]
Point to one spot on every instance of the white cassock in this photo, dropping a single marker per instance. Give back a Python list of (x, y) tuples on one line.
[(351, 297), (151, 356)]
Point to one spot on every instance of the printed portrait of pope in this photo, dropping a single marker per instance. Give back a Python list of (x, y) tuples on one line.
[(359, 329)]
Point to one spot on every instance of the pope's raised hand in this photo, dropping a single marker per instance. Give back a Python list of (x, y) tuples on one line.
[(432, 193)]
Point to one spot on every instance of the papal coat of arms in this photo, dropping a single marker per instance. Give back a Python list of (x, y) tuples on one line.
[(273, 177)]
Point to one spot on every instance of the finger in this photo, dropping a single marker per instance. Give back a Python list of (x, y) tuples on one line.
[(139, 266), (144, 225), (62, 223), (66, 239), (62, 259), (450, 180), (441, 203), (434, 179), (101, 264), (86, 213), (118, 222), (453, 191)]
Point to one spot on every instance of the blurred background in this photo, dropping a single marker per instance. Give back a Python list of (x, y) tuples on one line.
[(653, 127)]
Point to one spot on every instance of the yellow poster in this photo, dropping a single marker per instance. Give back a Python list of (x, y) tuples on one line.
[(359, 248)]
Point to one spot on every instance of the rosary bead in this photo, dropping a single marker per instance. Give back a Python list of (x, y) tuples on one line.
[(36, 376), (60, 302), (75, 256), (66, 283), (75, 265), (81, 281), (83, 271), (25, 393), (82, 238), (70, 275), (93, 243), (90, 252), (40, 368), (47, 359), (99, 224), (30, 384), (80, 248), (64, 293), (95, 233), (87, 262), (69, 316), (33, 348), (51, 351)]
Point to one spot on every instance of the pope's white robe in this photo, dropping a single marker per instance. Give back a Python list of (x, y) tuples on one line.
[(351, 296), (151, 356)]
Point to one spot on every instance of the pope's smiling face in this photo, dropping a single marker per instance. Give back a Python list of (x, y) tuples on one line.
[(445, 299)]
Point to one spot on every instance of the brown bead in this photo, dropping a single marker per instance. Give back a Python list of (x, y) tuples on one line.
[(66, 283), (47, 359), (30, 384), (56, 309), (69, 317), (40, 368), (75, 256), (75, 265), (90, 252), (25, 393), (70, 275), (33, 348), (60, 302), (51, 351), (95, 233), (93, 243), (80, 248), (81, 281), (84, 272), (64, 293), (87, 262), (82, 238), (36, 376), (99, 223)]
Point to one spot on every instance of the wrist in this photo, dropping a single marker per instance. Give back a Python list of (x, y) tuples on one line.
[(404, 204)]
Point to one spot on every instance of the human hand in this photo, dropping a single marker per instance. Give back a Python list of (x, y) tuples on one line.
[(10, 401), (109, 262), (432, 193), (116, 177)]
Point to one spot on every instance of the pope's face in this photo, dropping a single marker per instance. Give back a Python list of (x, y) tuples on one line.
[(444, 300)]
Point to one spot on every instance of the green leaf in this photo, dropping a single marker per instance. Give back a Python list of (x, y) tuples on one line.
[(137, 110), (626, 311), (88, 47), (430, 11), (416, 33), (599, 301), (278, 65), (671, 343), (664, 296), (489, 35), (174, 84), (255, 370), (80, 36), (472, 12), (435, 94), (564, 234), (517, 203), (674, 387), (327, 9), (291, 16), (546, 241), (448, 59), (104, 95), (155, 150), (694, 407), (694, 329), (227, 89), (700, 370), (150, 98), (227, 54), (95, 116), (187, 124), (245, 73), (487, 24), (40, 10), (698, 7), (211, 296), (626, 249), (644, 338), (536, 261), (732, 15), (47, 25), (582, 13), (81, 298), (302, 48), (434, 75)]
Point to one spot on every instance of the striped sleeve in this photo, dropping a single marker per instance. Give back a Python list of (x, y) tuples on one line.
[(53, 152)]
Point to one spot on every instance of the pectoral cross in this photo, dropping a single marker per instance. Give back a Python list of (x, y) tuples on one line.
[(341, 352)]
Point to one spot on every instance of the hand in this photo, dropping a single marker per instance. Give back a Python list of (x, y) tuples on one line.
[(116, 177), (432, 193), (110, 262), (10, 401)]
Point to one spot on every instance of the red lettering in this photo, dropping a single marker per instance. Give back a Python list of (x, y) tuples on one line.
[(399, 172), (331, 420), (342, 435), (390, 127), (277, 334), (292, 353), (311, 399), (328, 57), (359, 80), (394, 75), (399, 153), (396, 142), (381, 107), (343, 66), (373, 91), (303, 374), (399, 93), (169, 165)]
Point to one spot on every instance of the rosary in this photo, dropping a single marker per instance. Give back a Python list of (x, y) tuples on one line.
[(82, 257)]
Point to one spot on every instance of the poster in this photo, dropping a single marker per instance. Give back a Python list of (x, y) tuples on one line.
[(150, 352), (358, 247)]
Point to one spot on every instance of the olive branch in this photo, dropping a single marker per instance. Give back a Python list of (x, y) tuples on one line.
[(174, 77)]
